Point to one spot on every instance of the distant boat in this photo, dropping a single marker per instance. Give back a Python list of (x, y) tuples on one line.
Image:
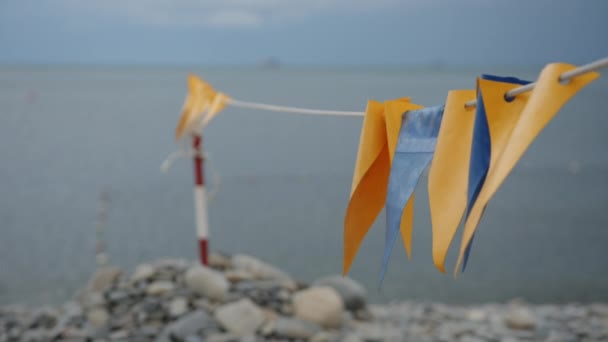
[(269, 63)]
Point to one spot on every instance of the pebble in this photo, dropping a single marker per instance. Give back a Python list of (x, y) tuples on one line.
[(143, 272), (476, 315), (258, 268), (189, 324), (295, 328), (98, 317), (374, 332), (240, 318), (207, 282), (193, 338), (325, 336), (353, 294), (103, 278), (520, 318), (238, 275), (160, 287), (220, 261), (243, 299), (119, 335), (321, 305), (178, 306), (222, 338)]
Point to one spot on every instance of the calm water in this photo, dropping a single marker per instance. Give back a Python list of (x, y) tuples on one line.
[(65, 134)]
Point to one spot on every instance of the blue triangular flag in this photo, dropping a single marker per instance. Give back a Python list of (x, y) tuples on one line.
[(417, 139), (481, 152)]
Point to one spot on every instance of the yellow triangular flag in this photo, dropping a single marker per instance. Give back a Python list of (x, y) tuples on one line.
[(379, 135), (199, 98), (449, 172), (217, 105), (548, 96)]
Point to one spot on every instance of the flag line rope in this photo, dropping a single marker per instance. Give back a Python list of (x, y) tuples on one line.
[(598, 64)]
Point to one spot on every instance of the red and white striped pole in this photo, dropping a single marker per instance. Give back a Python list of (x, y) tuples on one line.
[(200, 199)]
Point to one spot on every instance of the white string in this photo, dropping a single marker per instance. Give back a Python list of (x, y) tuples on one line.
[(174, 156), (599, 64), (190, 153), (274, 108)]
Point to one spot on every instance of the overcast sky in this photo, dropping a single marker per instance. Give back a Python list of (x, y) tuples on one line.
[(350, 32)]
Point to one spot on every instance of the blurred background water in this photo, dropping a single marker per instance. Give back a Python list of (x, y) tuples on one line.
[(68, 133)]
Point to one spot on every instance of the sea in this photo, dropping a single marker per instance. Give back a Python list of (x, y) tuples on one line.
[(279, 183)]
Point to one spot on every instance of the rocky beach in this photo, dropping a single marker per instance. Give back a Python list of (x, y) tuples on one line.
[(241, 298)]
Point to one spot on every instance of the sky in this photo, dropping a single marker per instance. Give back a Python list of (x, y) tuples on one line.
[(302, 32)]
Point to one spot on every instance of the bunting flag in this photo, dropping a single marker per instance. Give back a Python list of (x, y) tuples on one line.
[(538, 108), (449, 172), (495, 118), (379, 136), (412, 155), (201, 97), (472, 143)]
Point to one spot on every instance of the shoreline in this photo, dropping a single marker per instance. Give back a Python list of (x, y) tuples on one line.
[(241, 298)]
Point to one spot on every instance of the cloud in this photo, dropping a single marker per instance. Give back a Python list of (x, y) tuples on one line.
[(223, 13)]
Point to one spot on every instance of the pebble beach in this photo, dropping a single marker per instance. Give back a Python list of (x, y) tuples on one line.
[(241, 298)]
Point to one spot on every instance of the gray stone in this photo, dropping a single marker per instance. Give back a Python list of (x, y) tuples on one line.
[(477, 315), (238, 275), (193, 338), (575, 311), (74, 333), (248, 338), (240, 318), (72, 309), (509, 339), (207, 282), (222, 338), (468, 338), (363, 315), (93, 299), (43, 318), (321, 305), (189, 324), (103, 278), (267, 328), (257, 268), (353, 294), (150, 330), (117, 296), (376, 332), (170, 263), (160, 287), (295, 328), (98, 317), (599, 309), (119, 335), (520, 318), (220, 261), (350, 337), (33, 336), (178, 306), (59, 327), (143, 272), (558, 336), (325, 336)]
